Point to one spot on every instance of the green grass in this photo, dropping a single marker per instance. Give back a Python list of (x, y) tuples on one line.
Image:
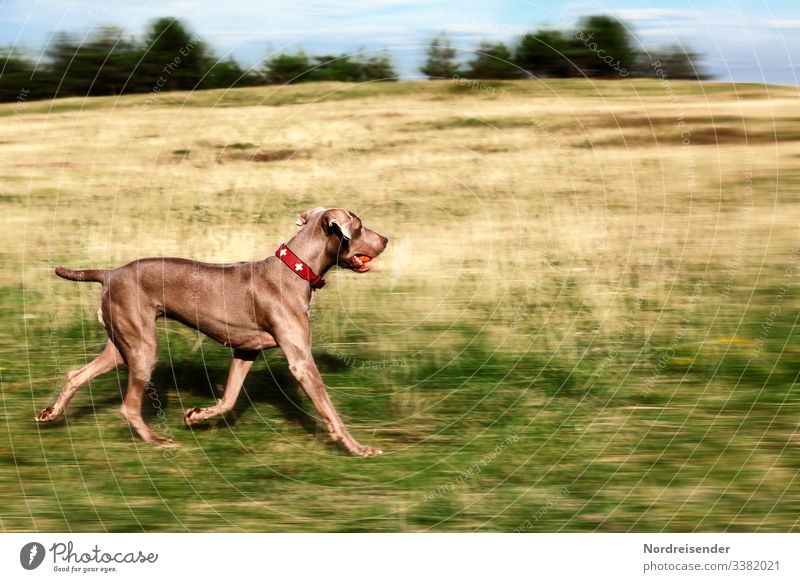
[(268, 467)]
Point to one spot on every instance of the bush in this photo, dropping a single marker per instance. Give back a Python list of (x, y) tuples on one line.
[(378, 68), (675, 61), (287, 68), (333, 68), (494, 61)]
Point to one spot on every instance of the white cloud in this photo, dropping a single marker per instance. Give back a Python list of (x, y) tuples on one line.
[(639, 14), (675, 31), (483, 29), (781, 23)]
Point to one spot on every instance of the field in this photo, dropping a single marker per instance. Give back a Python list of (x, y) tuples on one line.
[(586, 319)]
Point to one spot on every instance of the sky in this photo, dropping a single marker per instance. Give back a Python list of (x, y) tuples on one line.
[(739, 40)]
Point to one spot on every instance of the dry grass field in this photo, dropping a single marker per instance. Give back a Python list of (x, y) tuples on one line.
[(586, 319)]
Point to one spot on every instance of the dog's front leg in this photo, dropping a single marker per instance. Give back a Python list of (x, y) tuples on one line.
[(240, 365), (303, 368)]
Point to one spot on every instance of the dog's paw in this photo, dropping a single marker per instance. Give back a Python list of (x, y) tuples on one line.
[(192, 416), (364, 451), (46, 415), (162, 442)]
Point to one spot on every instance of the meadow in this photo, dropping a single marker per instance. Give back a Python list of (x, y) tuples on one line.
[(586, 319)]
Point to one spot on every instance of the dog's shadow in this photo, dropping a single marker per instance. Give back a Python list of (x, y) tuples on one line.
[(202, 383)]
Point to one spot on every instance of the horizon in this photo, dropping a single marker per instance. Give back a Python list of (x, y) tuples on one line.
[(743, 44)]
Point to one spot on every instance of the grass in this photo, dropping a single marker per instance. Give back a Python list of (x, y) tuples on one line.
[(586, 320)]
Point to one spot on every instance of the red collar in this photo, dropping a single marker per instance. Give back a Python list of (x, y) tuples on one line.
[(296, 264)]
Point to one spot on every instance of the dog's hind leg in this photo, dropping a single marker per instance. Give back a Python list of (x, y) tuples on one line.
[(108, 359), (240, 366), (136, 340)]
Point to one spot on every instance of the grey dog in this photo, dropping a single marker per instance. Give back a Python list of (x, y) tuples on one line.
[(249, 307)]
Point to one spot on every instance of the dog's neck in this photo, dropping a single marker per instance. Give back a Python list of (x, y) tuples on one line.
[(314, 250)]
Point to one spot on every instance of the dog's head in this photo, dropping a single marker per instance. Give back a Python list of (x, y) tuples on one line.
[(354, 244)]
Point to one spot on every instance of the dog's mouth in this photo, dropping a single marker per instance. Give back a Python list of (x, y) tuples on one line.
[(359, 263)]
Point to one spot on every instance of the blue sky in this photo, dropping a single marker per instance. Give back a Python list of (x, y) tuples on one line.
[(741, 40)]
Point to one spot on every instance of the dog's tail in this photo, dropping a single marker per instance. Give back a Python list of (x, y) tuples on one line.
[(96, 275)]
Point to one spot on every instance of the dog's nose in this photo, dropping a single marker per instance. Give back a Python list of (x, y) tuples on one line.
[(385, 241)]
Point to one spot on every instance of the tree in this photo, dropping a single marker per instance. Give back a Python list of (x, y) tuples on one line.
[(440, 64), (493, 61), (545, 53), (378, 68), (172, 58), (285, 68), (604, 47)]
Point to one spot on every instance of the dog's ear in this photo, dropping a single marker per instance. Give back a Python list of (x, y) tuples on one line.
[(338, 221), (302, 219)]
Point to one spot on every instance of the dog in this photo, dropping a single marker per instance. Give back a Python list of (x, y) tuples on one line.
[(249, 306)]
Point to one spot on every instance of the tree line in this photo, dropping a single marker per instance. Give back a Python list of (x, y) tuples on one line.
[(169, 57), (598, 47), (106, 63)]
